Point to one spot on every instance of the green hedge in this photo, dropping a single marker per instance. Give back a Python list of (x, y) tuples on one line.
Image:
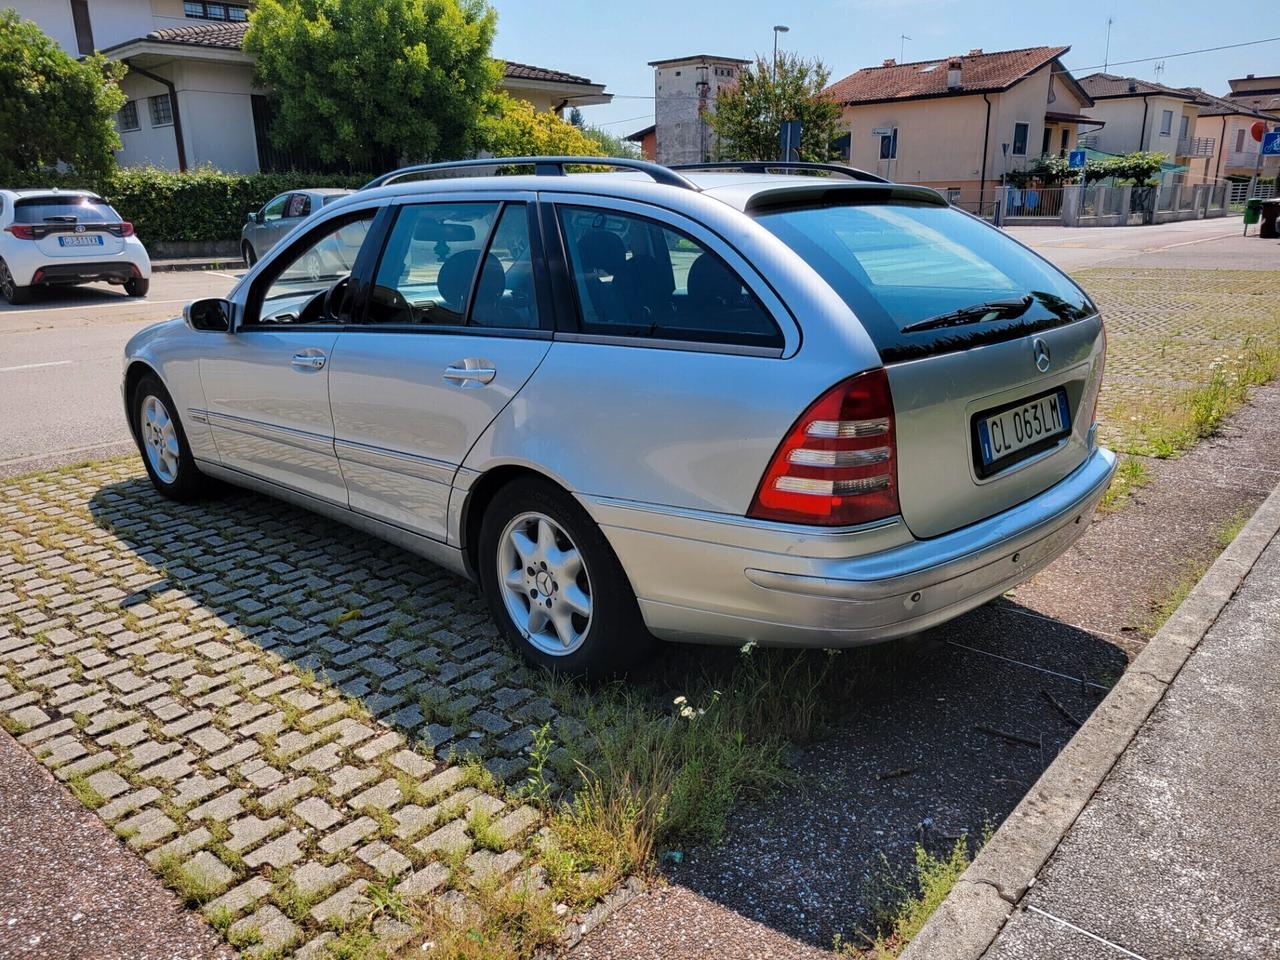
[(204, 206)]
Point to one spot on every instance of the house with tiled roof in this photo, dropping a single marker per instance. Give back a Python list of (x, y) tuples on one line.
[(957, 123), (1231, 122), (192, 100), (1142, 115)]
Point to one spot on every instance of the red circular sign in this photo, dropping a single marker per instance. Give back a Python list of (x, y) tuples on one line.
[(1258, 129)]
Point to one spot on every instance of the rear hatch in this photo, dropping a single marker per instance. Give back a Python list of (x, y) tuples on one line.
[(82, 226), (994, 357)]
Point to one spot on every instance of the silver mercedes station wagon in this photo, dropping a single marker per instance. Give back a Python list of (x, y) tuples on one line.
[(800, 406)]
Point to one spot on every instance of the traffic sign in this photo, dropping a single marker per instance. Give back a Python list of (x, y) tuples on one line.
[(1271, 144), (1077, 159)]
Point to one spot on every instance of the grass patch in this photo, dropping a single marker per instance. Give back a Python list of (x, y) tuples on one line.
[(193, 887), (903, 907), (15, 728), (81, 789), (486, 836), (1131, 475), (1181, 586), (1231, 529), (500, 923)]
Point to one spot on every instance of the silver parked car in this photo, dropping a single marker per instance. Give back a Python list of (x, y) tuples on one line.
[(708, 405), (266, 227)]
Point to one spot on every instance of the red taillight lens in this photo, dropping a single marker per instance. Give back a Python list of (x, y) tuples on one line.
[(838, 463), (22, 231), (126, 229)]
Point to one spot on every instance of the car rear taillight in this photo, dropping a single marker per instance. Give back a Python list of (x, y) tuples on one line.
[(21, 231), (126, 228), (838, 464)]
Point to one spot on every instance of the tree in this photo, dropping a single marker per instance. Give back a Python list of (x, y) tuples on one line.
[(369, 83), (512, 128), (748, 115), (53, 108)]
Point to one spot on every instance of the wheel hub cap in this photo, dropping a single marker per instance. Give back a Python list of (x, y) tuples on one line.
[(545, 586), (160, 439)]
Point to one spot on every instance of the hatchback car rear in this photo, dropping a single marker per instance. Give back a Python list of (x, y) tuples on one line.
[(717, 407), (59, 238)]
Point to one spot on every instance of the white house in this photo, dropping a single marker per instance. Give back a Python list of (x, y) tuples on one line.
[(191, 96)]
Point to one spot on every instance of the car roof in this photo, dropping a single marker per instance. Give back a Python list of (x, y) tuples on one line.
[(738, 190), (325, 191), (51, 192)]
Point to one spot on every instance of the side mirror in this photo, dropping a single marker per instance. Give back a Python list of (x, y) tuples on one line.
[(251, 216), (208, 314)]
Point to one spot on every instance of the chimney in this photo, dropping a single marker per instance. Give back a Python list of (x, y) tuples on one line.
[(975, 52), (953, 73), (889, 62)]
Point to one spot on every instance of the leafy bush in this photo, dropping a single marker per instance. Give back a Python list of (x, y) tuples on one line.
[(54, 108), (512, 128), (203, 206)]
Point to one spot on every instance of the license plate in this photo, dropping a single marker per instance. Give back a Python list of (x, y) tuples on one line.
[(1011, 433), (86, 240)]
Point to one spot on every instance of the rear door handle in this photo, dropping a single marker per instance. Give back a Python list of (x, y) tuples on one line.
[(308, 361), (470, 373)]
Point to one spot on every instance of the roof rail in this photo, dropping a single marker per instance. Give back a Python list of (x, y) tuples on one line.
[(542, 166), (764, 166)]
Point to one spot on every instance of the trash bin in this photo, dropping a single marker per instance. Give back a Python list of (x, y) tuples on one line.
[(1252, 210), (1269, 225)]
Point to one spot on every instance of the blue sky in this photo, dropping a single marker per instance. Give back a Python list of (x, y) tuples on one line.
[(612, 42)]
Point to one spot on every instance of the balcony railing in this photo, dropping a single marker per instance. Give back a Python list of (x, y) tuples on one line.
[(1088, 141), (1196, 146)]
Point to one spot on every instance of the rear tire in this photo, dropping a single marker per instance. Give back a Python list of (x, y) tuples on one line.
[(555, 586), (137, 286), (10, 290), (163, 443)]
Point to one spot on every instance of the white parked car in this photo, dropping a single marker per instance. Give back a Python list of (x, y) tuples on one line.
[(62, 237)]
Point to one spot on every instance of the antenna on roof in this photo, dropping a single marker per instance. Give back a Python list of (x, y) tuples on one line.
[(1159, 68), (902, 47), (1106, 57)]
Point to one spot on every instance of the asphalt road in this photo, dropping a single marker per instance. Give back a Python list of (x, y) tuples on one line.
[(60, 361), (60, 357)]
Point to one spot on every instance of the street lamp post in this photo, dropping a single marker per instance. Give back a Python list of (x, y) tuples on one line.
[(778, 28)]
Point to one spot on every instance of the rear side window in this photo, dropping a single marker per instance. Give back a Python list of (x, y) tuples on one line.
[(902, 263), (299, 206), (84, 209), (639, 278)]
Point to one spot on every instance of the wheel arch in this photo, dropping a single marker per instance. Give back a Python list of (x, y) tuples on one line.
[(479, 496), (133, 375)]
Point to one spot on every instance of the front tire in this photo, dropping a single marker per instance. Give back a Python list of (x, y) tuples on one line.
[(163, 443), (9, 289), (137, 286), (250, 257), (554, 584)]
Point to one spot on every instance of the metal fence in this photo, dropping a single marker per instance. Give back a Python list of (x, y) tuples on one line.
[(1240, 192), (1033, 202)]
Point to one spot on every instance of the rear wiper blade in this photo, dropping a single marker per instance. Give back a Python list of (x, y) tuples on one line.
[(68, 218), (992, 309)]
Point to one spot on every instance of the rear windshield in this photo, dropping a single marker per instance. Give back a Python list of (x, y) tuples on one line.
[(902, 263), (64, 210)]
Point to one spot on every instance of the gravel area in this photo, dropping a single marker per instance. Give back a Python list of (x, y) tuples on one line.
[(69, 889)]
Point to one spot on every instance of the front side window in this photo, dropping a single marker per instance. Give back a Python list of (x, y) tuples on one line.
[(505, 295), (161, 110), (275, 209), (901, 263), (431, 258), (1166, 123), (636, 277), (1020, 131), (317, 269)]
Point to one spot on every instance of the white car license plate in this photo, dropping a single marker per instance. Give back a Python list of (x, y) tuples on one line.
[(1004, 435), (85, 240)]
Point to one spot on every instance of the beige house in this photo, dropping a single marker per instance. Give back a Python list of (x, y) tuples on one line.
[(1235, 152), (946, 123), (1141, 115), (1257, 93), (191, 96)]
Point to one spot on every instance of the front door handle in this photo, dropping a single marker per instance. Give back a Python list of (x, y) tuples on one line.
[(470, 372), (308, 361)]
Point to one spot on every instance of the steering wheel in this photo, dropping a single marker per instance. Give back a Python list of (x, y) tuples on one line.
[(340, 290)]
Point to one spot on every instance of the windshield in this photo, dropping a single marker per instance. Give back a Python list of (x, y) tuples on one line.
[(64, 210), (901, 263)]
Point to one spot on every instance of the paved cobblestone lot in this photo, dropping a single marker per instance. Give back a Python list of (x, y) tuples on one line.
[(272, 710)]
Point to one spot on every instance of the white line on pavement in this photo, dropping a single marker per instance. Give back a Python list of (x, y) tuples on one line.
[(1030, 666), (1093, 936), (1187, 243), (33, 366), (92, 306)]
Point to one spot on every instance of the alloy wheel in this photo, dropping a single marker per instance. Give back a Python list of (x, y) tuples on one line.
[(544, 582), (159, 438), (7, 285)]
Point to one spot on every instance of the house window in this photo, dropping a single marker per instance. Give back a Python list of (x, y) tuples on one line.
[(1020, 133), (127, 118), (161, 110), (889, 145), (211, 10), (1066, 141), (1048, 139), (84, 29), (953, 195), (1182, 127), (1166, 123), (1240, 140)]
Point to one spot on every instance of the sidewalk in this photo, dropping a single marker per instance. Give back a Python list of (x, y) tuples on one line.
[(1177, 852)]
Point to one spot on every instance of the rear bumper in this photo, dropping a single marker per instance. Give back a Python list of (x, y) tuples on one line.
[(696, 583), (114, 271)]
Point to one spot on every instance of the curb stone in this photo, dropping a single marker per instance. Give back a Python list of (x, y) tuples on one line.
[(968, 921)]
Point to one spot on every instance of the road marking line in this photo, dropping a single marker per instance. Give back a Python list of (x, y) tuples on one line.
[(1092, 936), (33, 366), (1030, 666), (93, 306), (1187, 243), (68, 452), (225, 276)]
